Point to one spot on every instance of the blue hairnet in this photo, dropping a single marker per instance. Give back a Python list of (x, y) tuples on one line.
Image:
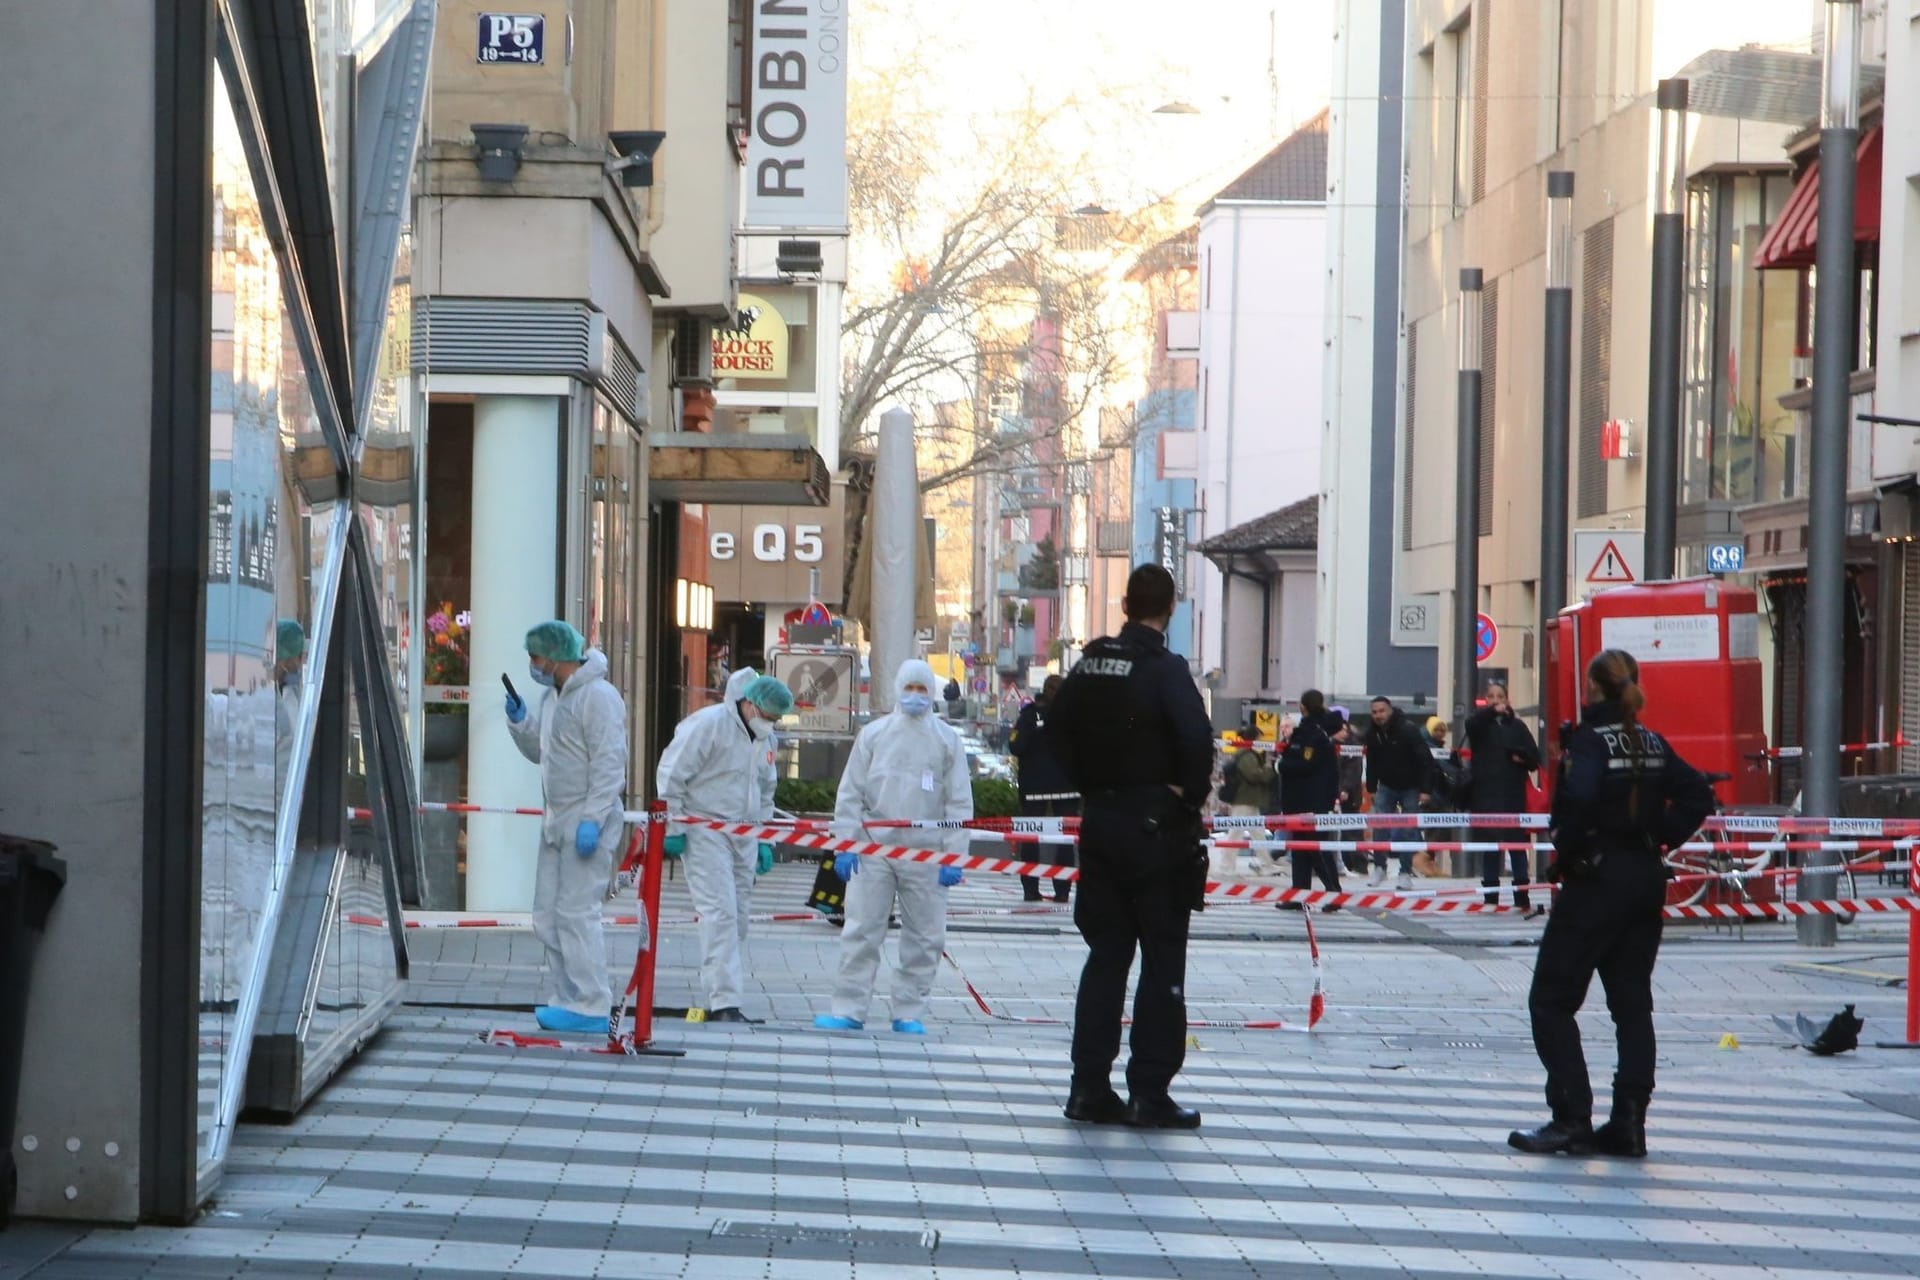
[(556, 641), (289, 640), (770, 695)]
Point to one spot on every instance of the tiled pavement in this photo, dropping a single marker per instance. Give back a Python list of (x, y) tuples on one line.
[(1373, 1147)]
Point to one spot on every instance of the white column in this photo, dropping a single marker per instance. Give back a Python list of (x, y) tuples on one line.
[(896, 538), (828, 301), (516, 526)]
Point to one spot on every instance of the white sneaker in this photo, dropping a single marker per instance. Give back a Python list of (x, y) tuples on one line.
[(1404, 883), (1378, 878)]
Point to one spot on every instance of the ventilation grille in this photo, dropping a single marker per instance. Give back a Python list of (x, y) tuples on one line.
[(621, 378), (1489, 400), (1409, 417), (491, 335), (1482, 71), (692, 351), (1596, 364)]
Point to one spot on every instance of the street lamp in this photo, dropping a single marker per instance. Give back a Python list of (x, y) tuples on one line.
[(1663, 330), (1556, 399), (1466, 519), (1827, 450)]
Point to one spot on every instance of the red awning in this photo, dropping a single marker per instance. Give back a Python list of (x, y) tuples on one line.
[(1790, 240)]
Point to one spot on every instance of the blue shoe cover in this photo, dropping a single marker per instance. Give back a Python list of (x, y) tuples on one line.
[(909, 1026), (554, 1018), (834, 1022)]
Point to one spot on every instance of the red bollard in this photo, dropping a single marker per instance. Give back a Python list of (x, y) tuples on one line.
[(639, 992)]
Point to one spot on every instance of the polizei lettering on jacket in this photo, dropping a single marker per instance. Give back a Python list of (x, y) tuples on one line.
[(784, 32), (1104, 666)]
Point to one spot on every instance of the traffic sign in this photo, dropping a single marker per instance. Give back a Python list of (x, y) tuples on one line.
[(1609, 557), (1486, 637), (1726, 557)]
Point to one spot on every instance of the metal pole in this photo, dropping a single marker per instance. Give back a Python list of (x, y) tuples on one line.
[(1827, 450), (1466, 517), (1663, 330), (1556, 399), (894, 539)]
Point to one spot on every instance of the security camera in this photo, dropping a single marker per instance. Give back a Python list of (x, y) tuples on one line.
[(636, 148)]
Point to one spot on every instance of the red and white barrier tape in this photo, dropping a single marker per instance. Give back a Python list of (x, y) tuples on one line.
[(1845, 748)]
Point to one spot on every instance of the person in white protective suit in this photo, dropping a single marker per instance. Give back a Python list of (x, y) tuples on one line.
[(577, 734), (720, 765), (907, 764)]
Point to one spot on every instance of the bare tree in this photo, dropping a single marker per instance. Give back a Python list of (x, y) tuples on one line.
[(1000, 269)]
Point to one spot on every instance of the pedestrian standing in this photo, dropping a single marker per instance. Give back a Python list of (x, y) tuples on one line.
[(1138, 745), (577, 734), (1399, 777), (908, 764), (1309, 770), (1501, 753), (720, 766), (1624, 796), (1045, 789)]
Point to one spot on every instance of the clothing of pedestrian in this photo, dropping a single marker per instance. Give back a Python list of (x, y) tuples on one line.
[(1045, 789), (577, 733), (720, 766), (1309, 769), (908, 764), (1624, 795), (1250, 785), (1399, 777), (1501, 754), (1136, 740)]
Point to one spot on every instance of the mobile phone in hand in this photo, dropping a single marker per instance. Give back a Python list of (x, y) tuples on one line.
[(511, 691)]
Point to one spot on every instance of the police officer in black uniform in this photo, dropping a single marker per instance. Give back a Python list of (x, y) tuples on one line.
[(1623, 796), (1135, 738)]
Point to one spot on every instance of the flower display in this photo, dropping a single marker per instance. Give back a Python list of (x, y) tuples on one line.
[(447, 640)]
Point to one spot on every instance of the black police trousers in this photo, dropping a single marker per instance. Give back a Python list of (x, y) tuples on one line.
[(1606, 920), (1134, 894), (1058, 854)]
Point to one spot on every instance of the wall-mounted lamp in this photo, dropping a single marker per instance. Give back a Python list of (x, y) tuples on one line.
[(500, 148), (692, 605), (636, 148)]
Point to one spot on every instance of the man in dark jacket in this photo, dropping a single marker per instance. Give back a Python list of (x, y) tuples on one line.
[(1501, 753), (1045, 788), (1309, 768), (1399, 777)]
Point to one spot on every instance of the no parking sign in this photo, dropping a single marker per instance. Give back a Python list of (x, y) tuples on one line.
[(1486, 637)]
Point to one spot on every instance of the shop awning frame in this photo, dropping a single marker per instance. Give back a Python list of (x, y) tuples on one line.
[(1791, 240)]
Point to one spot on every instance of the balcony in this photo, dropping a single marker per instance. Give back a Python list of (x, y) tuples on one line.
[(1183, 335)]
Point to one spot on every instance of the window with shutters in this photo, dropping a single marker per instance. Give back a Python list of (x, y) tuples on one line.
[(1489, 378), (1408, 417), (1596, 364)]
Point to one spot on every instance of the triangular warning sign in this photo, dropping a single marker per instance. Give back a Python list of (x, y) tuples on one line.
[(1610, 566)]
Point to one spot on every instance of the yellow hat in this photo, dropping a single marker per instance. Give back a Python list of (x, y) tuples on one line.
[(1436, 726)]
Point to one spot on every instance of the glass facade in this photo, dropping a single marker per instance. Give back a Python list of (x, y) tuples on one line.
[(310, 600), (1741, 446)]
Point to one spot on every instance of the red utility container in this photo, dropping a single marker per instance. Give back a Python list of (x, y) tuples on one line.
[(1698, 644)]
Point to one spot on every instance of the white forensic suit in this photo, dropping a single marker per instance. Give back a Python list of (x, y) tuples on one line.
[(577, 734), (902, 766), (717, 766)]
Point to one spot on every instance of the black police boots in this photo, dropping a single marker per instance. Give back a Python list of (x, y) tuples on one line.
[(1625, 1134), (1162, 1114), (1094, 1106), (1573, 1137)]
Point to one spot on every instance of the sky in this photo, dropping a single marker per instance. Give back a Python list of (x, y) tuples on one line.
[(1253, 70)]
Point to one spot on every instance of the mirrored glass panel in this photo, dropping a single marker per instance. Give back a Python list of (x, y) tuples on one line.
[(267, 463)]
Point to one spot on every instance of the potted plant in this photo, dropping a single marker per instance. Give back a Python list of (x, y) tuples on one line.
[(447, 667)]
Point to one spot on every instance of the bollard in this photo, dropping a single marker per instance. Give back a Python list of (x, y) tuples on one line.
[(651, 871)]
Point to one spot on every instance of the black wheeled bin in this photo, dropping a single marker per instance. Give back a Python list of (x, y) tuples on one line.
[(30, 879)]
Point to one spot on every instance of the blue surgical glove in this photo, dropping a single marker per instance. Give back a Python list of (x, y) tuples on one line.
[(950, 876), (516, 708), (845, 864), (586, 838)]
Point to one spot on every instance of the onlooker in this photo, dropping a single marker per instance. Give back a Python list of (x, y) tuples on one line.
[(1045, 788), (1502, 753), (1352, 777), (1309, 772), (1399, 776), (1250, 785)]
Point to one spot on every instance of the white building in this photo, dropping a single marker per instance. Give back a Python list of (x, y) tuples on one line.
[(1262, 254)]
